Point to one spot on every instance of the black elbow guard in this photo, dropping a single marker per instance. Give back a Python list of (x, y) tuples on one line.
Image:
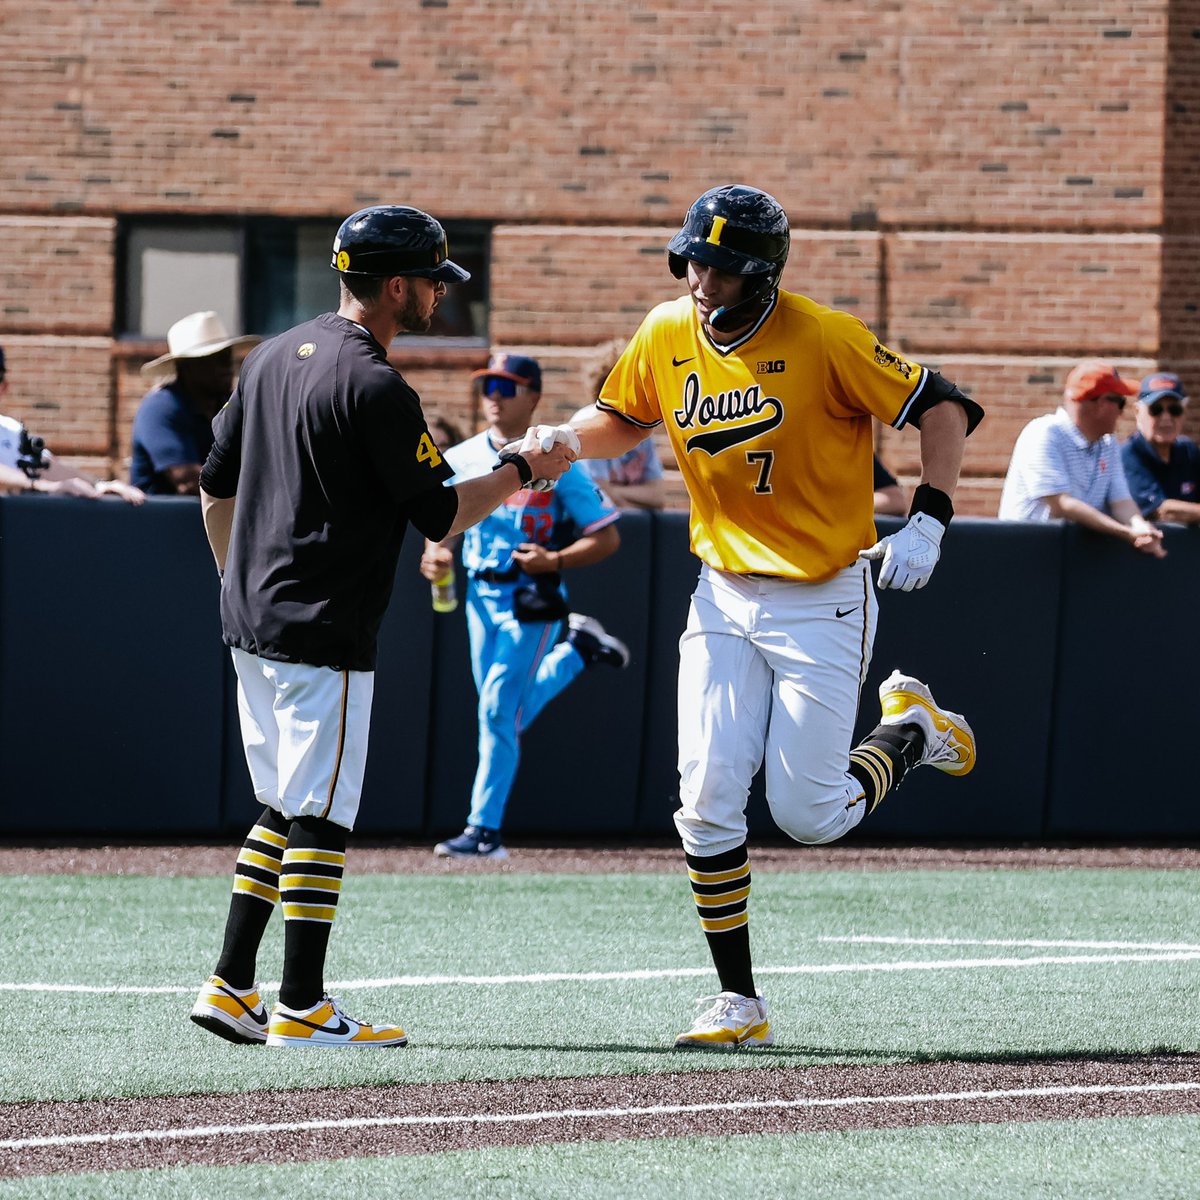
[(937, 390)]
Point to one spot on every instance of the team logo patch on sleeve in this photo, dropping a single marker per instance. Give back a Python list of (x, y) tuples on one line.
[(885, 358)]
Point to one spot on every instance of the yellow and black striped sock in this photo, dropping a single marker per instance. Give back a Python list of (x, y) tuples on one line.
[(721, 891), (255, 891), (310, 884), (882, 759)]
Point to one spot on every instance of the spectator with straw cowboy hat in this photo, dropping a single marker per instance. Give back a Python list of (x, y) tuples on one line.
[(172, 432)]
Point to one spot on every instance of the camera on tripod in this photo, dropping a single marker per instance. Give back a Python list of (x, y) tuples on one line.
[(34, 457)]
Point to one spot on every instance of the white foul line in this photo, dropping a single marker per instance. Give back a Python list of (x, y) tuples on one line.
[(652, 1110), (865, 939), (347, 985)]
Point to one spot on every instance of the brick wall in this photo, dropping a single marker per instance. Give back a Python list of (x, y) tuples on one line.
[(983, 183)]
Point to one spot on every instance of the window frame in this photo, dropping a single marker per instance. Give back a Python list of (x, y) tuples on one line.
[(250, 241)]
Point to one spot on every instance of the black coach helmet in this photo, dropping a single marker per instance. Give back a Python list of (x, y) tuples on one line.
[(392, 239), (739, 229)]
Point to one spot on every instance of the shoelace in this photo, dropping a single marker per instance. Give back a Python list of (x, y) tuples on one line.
[(338, 1010), (942, 749), (718, 1006)]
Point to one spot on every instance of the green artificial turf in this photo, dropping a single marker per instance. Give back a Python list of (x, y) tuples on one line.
[(166, 932)]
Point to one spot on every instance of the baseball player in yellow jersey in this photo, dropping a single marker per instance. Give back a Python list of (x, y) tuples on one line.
[(768, 399)]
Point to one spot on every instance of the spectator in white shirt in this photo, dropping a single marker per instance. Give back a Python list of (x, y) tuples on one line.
[(1067, 465)]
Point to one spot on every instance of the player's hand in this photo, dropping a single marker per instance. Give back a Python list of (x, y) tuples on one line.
[(534, 559), (547, 435), (910, 554), (436, 560), (549, 450)]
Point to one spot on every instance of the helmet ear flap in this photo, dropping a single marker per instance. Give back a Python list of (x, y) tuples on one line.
[(678, 264)]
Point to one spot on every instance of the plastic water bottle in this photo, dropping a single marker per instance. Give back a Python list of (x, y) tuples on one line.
[(445, 594)]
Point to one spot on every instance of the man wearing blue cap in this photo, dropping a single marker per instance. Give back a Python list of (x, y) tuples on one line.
[(1162, 466), (516, 603)]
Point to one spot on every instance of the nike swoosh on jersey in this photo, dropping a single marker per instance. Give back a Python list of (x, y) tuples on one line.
[(844, 612), (713, 441), (678, 362)]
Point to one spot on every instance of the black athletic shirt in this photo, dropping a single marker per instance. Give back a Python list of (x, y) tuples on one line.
[(326, 448)]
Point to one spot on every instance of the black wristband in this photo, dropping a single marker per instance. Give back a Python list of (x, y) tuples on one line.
[(932, 501), (523, 468)]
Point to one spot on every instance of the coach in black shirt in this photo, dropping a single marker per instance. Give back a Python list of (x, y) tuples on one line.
[(322, 458)]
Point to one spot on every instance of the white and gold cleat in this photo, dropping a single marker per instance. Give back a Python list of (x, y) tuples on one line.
[(949, 742), (326, 1025), (236, 1015), (728, 1021)]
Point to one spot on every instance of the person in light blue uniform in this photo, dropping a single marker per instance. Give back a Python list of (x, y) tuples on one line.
[(516, 606)]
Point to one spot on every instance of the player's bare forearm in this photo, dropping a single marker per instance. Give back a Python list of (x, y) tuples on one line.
[(943, 434), (591, 548), (603, 434), (218, 521)]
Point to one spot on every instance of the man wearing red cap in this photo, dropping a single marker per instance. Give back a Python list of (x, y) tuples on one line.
[(1067, 465)]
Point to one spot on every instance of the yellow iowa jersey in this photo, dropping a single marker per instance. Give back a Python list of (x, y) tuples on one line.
[(772, 433)]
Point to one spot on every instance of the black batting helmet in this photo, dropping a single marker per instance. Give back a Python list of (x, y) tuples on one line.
[(739, 229), (392, 239)]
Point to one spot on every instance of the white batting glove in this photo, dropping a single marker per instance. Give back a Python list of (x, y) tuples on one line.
[(910, 554), (547, 435), (543, 437)]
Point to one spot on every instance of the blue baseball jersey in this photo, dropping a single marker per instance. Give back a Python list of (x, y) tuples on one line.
[(576, 507)]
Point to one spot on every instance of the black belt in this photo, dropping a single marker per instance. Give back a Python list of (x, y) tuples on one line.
[(491, 576)]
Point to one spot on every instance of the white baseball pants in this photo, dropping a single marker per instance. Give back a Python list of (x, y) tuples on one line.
[(305, 732), (771, 668)]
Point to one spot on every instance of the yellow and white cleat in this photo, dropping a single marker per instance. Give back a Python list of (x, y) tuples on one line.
[(728, 1021), (237, 1016), (949, 742), (326, 1025)]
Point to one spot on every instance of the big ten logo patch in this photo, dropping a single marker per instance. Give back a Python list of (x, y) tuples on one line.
[(771, 366), (885, 358)]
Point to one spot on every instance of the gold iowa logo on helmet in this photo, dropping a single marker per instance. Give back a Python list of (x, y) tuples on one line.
[(307, 350), (343, 260)]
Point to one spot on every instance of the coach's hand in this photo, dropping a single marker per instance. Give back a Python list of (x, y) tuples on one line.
[(910, 554)]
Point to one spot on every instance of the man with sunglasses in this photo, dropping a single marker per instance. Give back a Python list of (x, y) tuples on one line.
[(1161, 465), (516, 605), (1067, 465)]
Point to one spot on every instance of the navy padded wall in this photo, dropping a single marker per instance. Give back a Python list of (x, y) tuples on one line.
[(110, 704)]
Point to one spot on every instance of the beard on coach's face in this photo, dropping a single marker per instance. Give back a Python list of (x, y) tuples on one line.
[(416, 313), (412, 317)]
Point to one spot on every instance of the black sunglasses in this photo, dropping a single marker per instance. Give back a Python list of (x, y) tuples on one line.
[(1158, 408)]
